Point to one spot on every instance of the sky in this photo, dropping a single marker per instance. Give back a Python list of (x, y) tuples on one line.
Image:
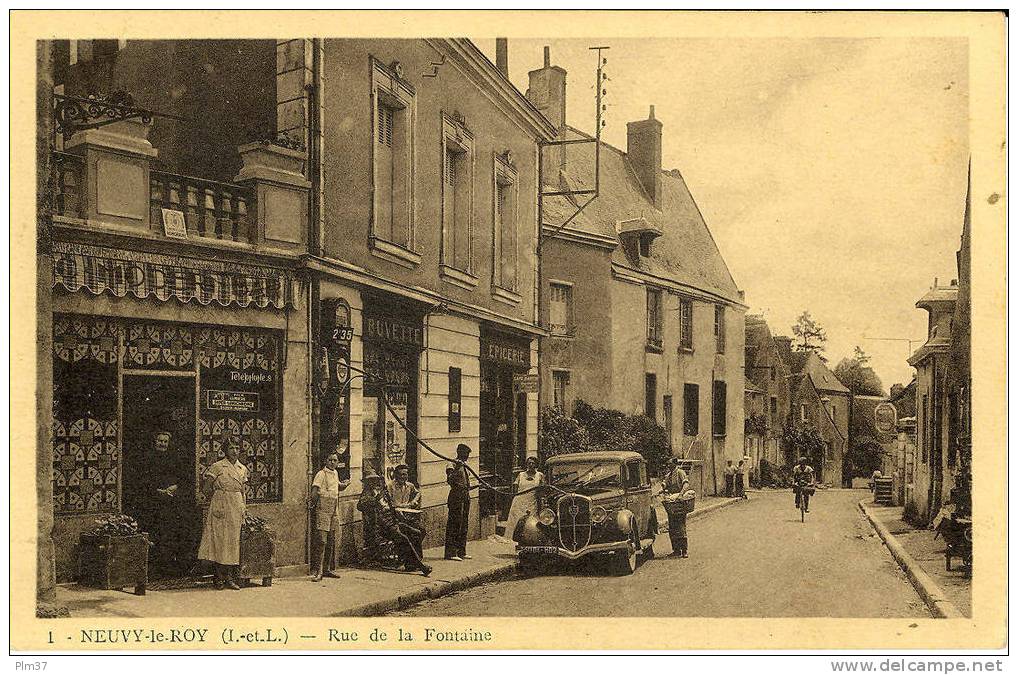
[(831, 171)]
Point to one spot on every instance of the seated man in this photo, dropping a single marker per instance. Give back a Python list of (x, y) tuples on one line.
[(385, 536), (406, 499)]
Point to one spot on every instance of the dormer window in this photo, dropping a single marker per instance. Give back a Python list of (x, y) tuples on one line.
[(636, 235), (644, 247)]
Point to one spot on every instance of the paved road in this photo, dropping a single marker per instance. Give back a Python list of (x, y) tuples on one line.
[(752, 559)]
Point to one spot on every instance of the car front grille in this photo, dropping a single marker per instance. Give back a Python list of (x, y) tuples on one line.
[(574, 522)]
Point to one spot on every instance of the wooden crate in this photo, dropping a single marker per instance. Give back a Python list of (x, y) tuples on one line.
[(111, 562), (257, 556)]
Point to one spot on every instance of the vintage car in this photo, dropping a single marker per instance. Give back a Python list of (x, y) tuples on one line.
[(592, 503)]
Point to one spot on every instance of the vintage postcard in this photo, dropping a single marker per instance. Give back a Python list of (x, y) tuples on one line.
[(508, 330)]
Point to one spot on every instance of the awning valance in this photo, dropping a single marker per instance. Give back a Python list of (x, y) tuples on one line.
[(119, 272)]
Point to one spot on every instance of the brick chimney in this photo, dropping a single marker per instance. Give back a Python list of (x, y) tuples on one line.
[(502, 56), (547, 92), (643, 146)]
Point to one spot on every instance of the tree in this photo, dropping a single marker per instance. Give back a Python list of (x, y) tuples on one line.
[(859, 377), (810, 336)]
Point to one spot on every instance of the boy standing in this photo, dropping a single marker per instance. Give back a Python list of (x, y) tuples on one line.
[(325, 491)]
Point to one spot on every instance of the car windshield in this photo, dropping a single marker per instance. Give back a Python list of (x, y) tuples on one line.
[(585, 474)]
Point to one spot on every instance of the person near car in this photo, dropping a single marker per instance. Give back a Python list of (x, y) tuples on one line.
[(459, 506), (524, 495), (677, 483), (325, 491)]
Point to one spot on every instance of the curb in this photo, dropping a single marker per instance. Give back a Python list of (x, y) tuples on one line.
[(927, 588), (439, 588), (433, 590)]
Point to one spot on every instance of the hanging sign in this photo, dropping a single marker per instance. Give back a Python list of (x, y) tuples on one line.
[(174, 225), (885, 417), (525, 383)]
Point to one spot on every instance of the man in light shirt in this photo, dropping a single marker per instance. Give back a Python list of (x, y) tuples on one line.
[(325, 491)]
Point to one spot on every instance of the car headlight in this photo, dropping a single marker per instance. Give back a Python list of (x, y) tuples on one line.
[(546, 516), (598, 514)]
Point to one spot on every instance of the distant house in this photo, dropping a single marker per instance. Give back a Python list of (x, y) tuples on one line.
[(642, 312), (819, 400), (768, 372)]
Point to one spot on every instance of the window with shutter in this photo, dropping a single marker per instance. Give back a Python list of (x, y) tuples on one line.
[(457, 202), (691, 409), (560, 308), (392, 213), (685, 323), (506, 272), (720, 416), (719, 328), (654, 337)]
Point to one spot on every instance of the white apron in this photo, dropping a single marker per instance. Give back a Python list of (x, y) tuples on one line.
[(220, 539)]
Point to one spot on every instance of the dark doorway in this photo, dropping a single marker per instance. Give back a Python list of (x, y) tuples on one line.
[(497, 424), (152, 405)]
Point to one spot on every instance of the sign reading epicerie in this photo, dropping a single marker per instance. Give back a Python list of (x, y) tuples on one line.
[(507, 351)]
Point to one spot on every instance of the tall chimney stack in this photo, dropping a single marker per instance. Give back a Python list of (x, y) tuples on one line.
[(643, 146), (502, 56), (547, 92)]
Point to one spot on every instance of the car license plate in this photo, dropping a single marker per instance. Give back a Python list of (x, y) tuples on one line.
[(538, 549)]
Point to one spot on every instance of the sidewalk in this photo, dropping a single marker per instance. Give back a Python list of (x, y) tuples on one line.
[(359, 592), (948, 594)]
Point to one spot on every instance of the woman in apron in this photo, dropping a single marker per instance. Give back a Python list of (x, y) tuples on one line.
[(524, 495), (220, 540)]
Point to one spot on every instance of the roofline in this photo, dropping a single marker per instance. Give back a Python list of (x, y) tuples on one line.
[(468, 52), (640, 276), (578, 236)]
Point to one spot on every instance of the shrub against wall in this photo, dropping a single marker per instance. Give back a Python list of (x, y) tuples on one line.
[(593, 428)]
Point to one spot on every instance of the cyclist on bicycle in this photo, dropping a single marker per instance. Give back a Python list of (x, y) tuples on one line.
[(802, 478)]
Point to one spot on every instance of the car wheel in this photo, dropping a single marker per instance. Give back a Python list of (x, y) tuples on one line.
[(625, 561)]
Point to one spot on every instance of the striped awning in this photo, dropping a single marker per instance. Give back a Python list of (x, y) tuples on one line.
[(81, 267)]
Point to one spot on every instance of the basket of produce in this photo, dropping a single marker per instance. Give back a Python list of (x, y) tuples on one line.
[(676, 504)]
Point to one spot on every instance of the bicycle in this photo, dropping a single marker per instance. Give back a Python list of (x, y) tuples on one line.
[(803, 491)]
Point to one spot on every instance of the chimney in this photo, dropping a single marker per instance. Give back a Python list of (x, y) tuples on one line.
[(643, 146), (502, 56), (547, 92)]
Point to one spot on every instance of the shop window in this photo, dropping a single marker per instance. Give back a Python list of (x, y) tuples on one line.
[(506, 198), (392, 222), (457, 196), (650, 396), (720, 416), (686, 324), (719, 328), (654, 329), (560, 307), (691, 409), (560, 382)]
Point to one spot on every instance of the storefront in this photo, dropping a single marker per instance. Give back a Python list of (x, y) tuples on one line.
[(159, 345), (393, 338), (505, 361)]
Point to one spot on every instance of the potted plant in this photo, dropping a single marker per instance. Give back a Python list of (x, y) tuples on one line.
[(114, 554), (257, 550)]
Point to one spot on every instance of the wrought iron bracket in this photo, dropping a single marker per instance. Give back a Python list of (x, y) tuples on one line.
[(73, 113)]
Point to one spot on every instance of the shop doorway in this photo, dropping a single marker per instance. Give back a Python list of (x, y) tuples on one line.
[(155, 406), (498, 440)]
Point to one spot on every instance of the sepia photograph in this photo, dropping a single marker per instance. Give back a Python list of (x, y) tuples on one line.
[(662, 315)]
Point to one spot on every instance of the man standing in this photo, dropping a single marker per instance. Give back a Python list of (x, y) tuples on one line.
[(729, 479), (675, 484), (325, 516), (459, 506)]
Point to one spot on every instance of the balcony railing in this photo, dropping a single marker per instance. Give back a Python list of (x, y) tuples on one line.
[(211, 209), (68, 185)]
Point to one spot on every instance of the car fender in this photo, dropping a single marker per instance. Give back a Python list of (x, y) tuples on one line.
[(527, 532), (624, 520)]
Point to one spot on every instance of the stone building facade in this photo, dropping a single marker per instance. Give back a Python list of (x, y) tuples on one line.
[(643, 314)]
